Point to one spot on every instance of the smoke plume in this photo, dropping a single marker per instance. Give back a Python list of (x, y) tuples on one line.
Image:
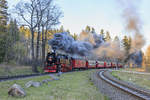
[(102, 49), (64, 42), (133, 24), (110, 49), (92, 37), (89, 44)]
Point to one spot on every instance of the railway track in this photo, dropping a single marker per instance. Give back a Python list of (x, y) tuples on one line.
[(138, 93), (5, 78)]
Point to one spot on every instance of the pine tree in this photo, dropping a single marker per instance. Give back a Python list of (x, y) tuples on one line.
[(87, 29), (125, 42), (3, 23), (3, 12), (127, 45), (75, 36), (11, 38), (117, 42), (116, 38), (129, 42), (13, 31), (2, 45), (107, 38), (147, 54), (102, 33), (93, 30), (68, 31), (61, 29), (3, 16)]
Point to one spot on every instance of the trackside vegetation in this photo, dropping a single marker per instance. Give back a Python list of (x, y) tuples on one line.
[(71, 86), (12, 70), (142, 80)]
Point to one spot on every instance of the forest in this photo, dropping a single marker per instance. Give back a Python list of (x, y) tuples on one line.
[(25, 32)]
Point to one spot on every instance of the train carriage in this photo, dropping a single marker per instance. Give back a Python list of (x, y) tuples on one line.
[(108, 64), (78, 64), (65, 63), (58, 62), (91, 64), (113, 64), (120, 65), (100, 64)]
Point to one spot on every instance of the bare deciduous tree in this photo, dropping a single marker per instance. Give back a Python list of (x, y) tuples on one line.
[(50, 18), (39, 16), (27, 11)]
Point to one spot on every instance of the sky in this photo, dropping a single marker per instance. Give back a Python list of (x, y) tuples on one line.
[(100, 14)]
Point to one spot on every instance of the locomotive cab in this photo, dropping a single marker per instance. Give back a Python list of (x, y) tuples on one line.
[(57, 62), (50, 65)]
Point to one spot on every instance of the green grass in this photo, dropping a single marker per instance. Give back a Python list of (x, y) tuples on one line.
[(10, 70), (71, 86), (138, 79)]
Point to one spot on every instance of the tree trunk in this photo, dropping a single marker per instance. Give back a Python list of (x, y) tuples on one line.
[(34, 67), (45, 40), (37, 46), (43, 48)]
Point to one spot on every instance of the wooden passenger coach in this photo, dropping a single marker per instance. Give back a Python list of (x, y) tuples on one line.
[(64, 63)]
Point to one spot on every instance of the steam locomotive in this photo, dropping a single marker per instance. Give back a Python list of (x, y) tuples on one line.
[(60, 62)]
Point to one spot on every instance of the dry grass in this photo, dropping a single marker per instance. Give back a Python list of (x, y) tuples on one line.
[(134, 69), (142, 80), (6, 70), (142, 69)]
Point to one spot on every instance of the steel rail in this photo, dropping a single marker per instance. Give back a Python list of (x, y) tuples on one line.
[(6, 78), (15, 77), (141, 94)]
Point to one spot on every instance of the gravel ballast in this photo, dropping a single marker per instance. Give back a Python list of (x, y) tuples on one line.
[(110, 91)]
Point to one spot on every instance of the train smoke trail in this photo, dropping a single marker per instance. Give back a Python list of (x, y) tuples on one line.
[(102, 49), (109, 49), (83, 47), (64, 42), (89, 44), (134, 25), (92, 37)]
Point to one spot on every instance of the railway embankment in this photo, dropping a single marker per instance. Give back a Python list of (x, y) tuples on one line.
[(117, 89)]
